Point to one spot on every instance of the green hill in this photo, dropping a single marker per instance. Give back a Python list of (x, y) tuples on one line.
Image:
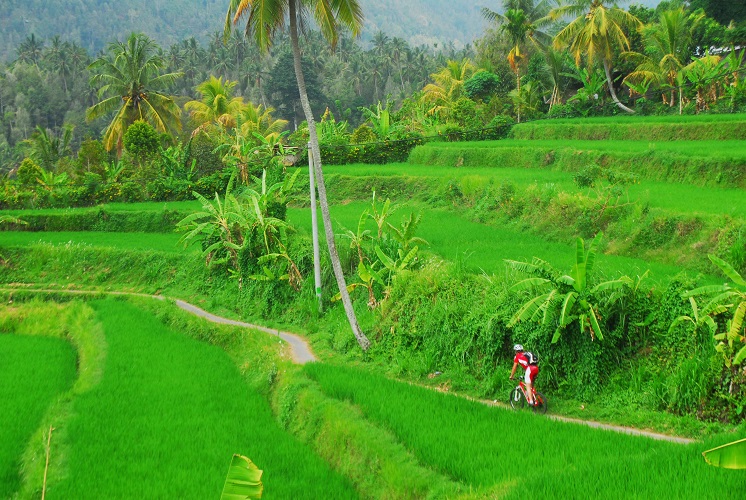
[(94, 23)]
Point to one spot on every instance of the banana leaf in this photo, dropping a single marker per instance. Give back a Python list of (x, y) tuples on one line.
[(728, 456), (243, 481)]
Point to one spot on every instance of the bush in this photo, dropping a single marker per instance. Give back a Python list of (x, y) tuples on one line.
[(363, 134), (28, 173)]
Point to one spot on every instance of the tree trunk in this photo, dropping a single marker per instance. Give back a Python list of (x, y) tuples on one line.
[(324, 204), (610, 81)]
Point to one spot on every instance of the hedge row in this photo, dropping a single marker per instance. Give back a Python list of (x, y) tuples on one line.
[(651, 164), (636, 131), (101, 220), (397, 151)]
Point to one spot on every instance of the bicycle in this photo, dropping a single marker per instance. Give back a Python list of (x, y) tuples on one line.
[(518, 399)]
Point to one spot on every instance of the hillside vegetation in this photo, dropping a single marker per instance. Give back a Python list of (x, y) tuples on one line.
[(92, 24)]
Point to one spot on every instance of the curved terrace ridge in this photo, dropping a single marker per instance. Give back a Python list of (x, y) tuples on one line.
[(299, 348)]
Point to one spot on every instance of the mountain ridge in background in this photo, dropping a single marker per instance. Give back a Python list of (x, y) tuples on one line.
[(93, 24)]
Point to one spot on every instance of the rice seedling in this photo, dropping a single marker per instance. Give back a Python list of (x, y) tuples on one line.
[(514, 454), (33, 371), (159, 242), (167, 417)]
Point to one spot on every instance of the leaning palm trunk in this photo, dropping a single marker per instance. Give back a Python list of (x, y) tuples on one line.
[(607, 69), (314, 142)]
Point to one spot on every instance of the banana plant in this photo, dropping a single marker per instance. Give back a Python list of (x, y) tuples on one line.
[(563, 299), (726, 298), (220, 226)]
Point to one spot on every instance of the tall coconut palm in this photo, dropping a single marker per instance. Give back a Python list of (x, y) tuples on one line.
[(521, 22), (132, 84), (595, 33), (263, 20)]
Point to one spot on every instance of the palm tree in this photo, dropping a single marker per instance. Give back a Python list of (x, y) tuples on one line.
[(669, 44), (521, 22), (46, 148), (448, 85), (595, 32), (30, 50), (264, 19), (217, 105), (132, 80)]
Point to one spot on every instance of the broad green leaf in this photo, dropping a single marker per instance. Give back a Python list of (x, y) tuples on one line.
[(594, 323), (678, 320), (528, 283), (244, 480), (590, 258), (728, 456), (705, 290), (557, 334), (728, 270), (736, 325), (567, 308), (740, 356), (385, 259), (527, 310)]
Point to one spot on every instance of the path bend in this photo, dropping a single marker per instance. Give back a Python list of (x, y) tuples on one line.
[(299, 349)]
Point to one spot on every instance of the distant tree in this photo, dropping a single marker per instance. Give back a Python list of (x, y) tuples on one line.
[(723, 11), (30, 50), (596, 32), (217, 106), (132, 84)]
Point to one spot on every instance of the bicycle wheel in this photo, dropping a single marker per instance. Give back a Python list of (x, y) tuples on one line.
[(517, 401), (541, 404)]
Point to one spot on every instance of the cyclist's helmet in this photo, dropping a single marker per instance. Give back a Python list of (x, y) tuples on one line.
[(518, 347)]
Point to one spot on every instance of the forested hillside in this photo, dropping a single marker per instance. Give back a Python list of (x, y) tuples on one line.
[(92, 24)]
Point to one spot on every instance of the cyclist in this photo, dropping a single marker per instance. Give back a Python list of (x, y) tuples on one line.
[(531, 371)]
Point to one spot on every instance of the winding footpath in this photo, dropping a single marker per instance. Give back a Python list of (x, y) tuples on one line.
[(301, 354), (299, 348)]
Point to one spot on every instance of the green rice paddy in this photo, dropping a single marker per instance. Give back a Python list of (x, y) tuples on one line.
[(34, 370), (517, 454), (162, 242), (678, 198), (702, 149), (480, 247), (167, 417)]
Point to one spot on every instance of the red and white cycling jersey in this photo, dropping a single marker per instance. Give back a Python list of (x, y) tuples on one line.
[(521, 359)]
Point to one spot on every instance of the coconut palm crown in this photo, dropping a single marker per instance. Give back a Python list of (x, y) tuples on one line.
[(132, 85)]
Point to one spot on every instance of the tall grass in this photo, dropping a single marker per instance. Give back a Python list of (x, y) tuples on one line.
[(33, 371), (512, 455), (123, 241), (148, 206), (168, 415)]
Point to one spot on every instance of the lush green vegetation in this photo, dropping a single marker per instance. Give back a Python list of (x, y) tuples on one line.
[(175, 410), (489, 448), (35, 371)]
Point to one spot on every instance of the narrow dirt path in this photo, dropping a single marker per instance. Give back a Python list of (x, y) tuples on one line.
[(301, 354), (299, 348)]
